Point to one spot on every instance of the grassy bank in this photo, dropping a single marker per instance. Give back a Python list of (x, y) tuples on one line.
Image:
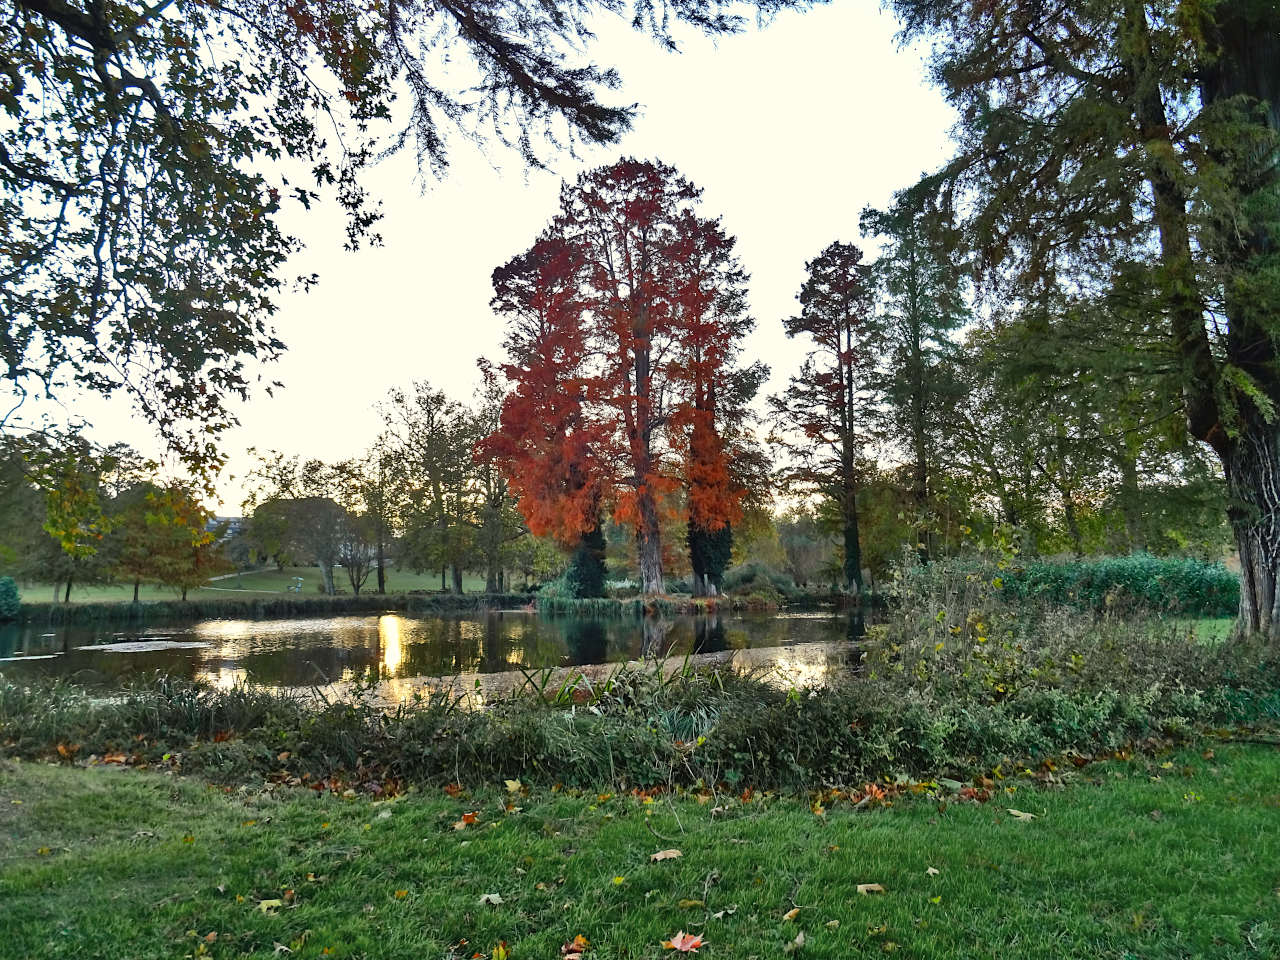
[(242, 607), (266, 581), (1172, 856)]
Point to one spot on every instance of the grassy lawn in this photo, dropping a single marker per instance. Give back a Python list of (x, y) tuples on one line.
[(1176, 856), (257, 582)]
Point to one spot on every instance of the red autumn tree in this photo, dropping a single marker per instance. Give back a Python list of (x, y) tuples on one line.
[(605, 394), (547, 443), (712, 319)]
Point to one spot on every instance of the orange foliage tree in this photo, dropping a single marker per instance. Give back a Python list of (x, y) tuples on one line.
[(620, 328)]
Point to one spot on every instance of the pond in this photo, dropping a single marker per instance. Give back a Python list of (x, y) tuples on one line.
[(486, 650)]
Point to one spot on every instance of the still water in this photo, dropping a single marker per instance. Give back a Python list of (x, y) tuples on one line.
[(331, 651)]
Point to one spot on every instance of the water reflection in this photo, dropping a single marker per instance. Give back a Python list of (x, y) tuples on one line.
[(396, 648)]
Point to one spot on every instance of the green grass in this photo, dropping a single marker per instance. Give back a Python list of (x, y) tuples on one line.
[(1163, 857), (256, 582)]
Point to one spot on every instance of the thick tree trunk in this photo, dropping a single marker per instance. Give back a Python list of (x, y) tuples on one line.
[(1252, 467), (491, 579), (1247, 43), (326, 577), (184, 593), (457, 579), (649, 544), (699, 584)]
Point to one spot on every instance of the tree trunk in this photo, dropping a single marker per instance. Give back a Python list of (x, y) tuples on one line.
[(443, 572), (381, 560), (490, 579), (852, 544), (184, 593), (66, 597), (649, 543), (1247, 43), (699, 584), (326, 576), (1252, 467), (457, 579), (135, 591)]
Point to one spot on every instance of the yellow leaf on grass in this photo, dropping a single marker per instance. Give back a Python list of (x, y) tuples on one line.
[(690, 904), (269, 906), (869, 888), (665, 855), (832, 924), (1020, 815), (619, 881), (513, 786), (791, 914), (932, 871)]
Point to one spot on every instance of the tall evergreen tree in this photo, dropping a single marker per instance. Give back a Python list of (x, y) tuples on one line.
[(921, 297), (823, 420)]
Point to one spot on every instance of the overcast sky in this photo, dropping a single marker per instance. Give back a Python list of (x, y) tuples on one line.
[(790, 131)]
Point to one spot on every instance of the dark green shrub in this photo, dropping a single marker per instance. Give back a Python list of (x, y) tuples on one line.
[(1174, 585), (10, 604)]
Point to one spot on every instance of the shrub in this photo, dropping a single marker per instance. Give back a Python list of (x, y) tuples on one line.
[(1175, 585), (10, 604), (757, 578)]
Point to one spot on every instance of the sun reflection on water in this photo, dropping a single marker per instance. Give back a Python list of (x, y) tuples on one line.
[(389, 639)]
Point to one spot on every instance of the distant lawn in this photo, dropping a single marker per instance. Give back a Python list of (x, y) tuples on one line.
[(257, 582), (1171, 857)]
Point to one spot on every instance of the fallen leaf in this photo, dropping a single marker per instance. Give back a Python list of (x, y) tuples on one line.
[(690, 904), (684, 942), (269, 906), (832, 924), (932, 871), (575, 947), (492, 899), (795, 944), (868, 888), (211, 937), (500, 952), (791, 914), (467, 820), (619, 881), (513, 786), (401, 894), (665, 855), (1020, 815)]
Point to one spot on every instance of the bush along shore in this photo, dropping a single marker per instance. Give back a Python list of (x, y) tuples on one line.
[(955, 682)]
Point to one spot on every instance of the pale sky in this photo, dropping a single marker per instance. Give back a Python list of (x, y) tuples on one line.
[(790, 131)]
